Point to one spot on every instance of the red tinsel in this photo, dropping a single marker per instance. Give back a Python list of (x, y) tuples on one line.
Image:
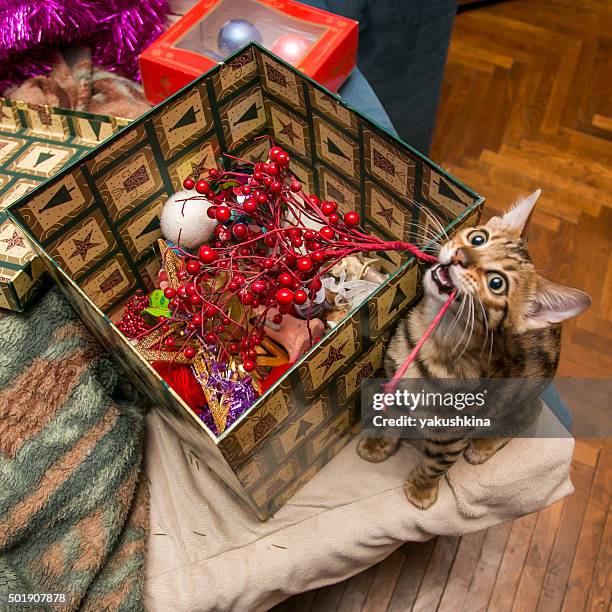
[(181, 379)]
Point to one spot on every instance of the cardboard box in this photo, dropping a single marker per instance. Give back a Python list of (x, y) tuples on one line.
[(191, 46), (99, 244), (35, 143)]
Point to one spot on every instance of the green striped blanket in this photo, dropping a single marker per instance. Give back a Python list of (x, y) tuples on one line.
[(73, 507)]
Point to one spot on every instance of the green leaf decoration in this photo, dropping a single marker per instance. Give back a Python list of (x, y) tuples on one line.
[(158, 304)]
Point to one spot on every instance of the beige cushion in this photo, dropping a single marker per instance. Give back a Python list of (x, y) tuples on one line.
[(208, 552)]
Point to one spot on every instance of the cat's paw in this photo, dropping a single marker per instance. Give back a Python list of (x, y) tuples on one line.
[(421, 498), (481, 450), (376, 450)]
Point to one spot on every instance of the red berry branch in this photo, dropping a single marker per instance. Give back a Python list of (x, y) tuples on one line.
[(271, 246)]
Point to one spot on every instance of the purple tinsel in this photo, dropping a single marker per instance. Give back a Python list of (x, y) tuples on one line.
[(116, 30), (238, 388)]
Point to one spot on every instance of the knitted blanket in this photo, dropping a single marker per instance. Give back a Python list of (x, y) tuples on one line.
[(73, 506)]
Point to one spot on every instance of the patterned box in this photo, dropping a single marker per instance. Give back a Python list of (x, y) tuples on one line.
[(96, 226), (35, 143)]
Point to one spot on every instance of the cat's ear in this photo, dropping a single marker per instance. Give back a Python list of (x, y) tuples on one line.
[(554, 303), (517, 218)]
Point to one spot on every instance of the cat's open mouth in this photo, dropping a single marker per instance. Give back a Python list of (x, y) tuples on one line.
[(441, 276)]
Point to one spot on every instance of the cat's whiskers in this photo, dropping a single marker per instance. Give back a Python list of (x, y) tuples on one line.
[(469, 323), (485, 320), (432, 218), (425, 235), (472, 326), (433, 247), (434, 234), (458, 315), (465, 327)]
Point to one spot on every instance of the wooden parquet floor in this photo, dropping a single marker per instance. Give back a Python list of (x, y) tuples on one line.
[(526, 104)]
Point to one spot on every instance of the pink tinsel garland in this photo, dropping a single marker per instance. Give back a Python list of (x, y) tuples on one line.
[(116, 30)]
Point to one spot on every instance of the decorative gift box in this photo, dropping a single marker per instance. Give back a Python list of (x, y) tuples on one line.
[(96, 226), (35, 143), (320, 44)]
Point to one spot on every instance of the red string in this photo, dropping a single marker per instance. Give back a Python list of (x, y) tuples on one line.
[(411, 248), (392, 384)]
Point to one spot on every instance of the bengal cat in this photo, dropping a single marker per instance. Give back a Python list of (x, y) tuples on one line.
[(511, 312)]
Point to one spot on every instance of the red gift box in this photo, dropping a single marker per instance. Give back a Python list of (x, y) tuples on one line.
[(190, 47)]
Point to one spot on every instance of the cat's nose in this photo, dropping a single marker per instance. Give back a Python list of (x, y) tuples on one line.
[(460, 257)]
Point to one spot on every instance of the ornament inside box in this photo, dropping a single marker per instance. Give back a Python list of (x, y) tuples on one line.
[(320, 44)]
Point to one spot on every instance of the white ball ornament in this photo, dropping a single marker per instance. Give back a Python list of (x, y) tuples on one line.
[(184, 220)]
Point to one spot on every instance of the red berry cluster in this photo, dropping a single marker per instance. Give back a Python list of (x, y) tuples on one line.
[(271, 245), (132, 324)]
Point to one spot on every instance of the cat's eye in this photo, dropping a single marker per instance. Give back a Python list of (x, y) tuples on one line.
[(478, 237), (497, 283)]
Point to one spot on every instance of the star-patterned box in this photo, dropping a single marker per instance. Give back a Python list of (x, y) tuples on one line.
[(35, 143), (96, 226), (321, 44)]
